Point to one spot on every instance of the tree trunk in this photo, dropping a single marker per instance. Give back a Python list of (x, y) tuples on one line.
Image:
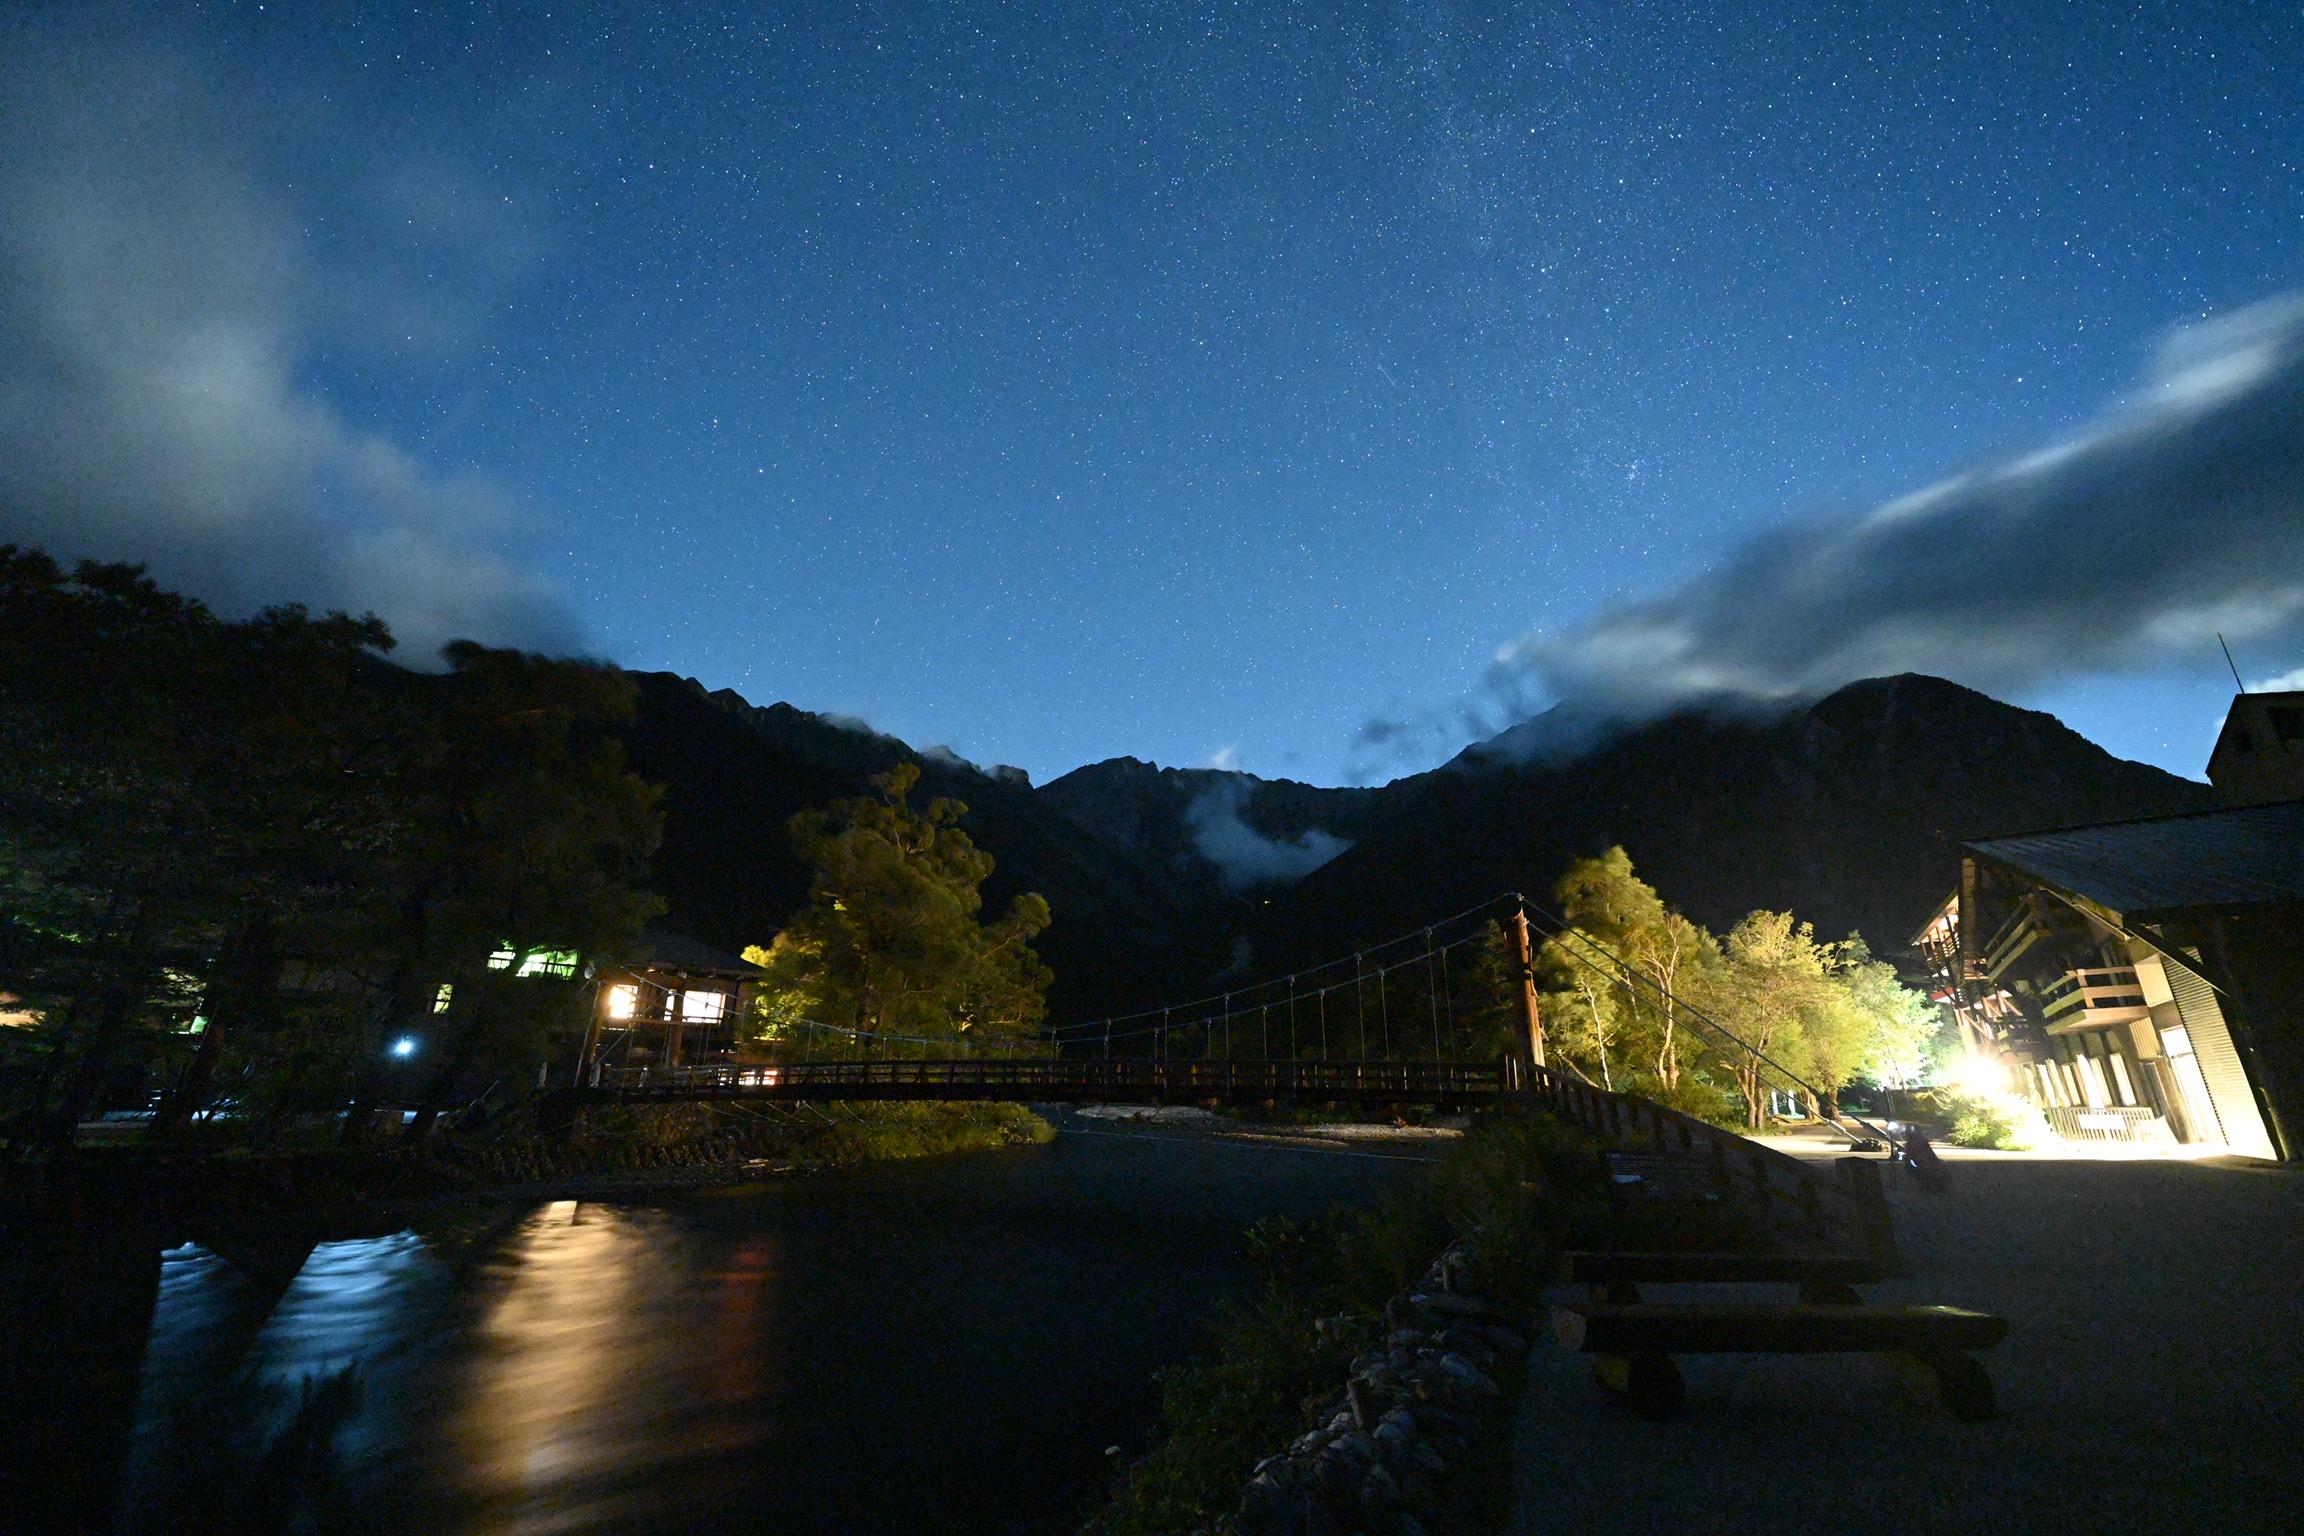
[(117, 1003), (247, 990)]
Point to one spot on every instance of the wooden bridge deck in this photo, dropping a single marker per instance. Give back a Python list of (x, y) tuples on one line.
[(1122, 1080)]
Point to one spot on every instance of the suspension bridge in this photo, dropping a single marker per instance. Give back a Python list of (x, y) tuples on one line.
[(1444, 1015), (1415, 1019)]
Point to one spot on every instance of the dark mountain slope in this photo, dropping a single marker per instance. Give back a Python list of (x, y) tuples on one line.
[(735, 774), (1848, 811), (1209, 830)]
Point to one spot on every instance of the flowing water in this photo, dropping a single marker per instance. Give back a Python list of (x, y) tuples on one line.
[(946, 1345)]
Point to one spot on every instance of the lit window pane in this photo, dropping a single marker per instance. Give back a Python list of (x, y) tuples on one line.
[(704, 1006), (623, 1001), (442, 998)]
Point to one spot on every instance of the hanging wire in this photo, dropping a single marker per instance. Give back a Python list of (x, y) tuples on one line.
[(1432, 998), (1384, 1012), (1357, 957), (1448, 993)]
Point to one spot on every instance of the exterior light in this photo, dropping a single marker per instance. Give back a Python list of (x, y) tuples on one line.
[(404, 1047)]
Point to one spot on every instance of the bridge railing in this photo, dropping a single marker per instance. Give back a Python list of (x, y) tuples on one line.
[(1845, 1209), (1116, 1078)]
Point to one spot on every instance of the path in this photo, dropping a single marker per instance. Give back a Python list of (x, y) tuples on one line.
[(2153, 1378)]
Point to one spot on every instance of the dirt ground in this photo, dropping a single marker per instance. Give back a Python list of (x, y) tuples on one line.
[(2152, 1379)]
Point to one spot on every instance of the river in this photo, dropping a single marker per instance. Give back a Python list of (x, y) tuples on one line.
[(945, 1345)]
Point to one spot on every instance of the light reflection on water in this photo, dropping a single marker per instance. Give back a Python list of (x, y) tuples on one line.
[(568, 1396), (945, 1345)]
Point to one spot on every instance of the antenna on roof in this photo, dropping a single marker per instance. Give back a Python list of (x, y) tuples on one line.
[(2227, 650)]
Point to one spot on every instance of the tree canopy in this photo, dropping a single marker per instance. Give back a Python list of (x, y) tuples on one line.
[(238, 851), (891, 948), (1637, 996)]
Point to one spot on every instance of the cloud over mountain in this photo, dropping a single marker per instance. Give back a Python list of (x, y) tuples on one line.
[(161, 313), (2178, 513)]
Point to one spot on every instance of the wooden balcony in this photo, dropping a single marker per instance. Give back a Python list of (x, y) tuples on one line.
[(2093, 999)]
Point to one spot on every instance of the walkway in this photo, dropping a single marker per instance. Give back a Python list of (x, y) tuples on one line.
[(2153, 1378)]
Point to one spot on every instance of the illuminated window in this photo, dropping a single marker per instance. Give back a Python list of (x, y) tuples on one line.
[(560, 963), (623, 1002), (704, 1007), (442, 998)]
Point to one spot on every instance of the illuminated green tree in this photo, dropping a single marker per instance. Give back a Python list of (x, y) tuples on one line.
[(891, 943), (1666, 961)]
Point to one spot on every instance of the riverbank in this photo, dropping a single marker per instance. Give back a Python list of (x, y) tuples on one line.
[(188, 1191), (1280, 1358)]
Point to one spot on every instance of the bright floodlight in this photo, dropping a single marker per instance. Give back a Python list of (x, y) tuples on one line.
[(404, 1046)]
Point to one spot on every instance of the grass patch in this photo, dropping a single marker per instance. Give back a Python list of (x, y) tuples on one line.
[(1517, 1178)]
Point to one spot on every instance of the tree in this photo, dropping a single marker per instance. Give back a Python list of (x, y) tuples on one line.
[(191, 808), (1667, 958), (1776, 986), (1906, 1027), (890, 943), (526, 835)]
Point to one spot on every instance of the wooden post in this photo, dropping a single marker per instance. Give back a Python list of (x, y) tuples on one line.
[(1873, 1230), (1524, 966)]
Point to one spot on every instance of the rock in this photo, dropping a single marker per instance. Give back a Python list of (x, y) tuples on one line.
[(1469, 1374), (1508, 1342), (1452, 1305), (1357, 1393)]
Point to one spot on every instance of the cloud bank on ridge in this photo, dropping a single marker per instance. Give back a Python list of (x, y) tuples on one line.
[(2177, 514)]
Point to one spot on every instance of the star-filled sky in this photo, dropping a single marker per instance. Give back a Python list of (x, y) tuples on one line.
[(1303, 387)]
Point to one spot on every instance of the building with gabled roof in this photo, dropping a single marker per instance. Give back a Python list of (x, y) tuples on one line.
[(2144, 979)]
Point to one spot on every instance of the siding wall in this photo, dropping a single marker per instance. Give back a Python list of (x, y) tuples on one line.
[(2219, 1063)]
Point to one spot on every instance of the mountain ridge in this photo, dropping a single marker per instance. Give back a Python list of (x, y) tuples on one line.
[(1848, 809)]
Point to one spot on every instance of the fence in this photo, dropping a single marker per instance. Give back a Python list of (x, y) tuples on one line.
[(1847, 1210)]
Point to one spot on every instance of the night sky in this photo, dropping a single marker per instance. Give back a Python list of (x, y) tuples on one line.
[(1199, 383)]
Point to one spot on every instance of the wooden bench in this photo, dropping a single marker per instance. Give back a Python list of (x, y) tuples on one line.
[(1823, 1278), (1634, 1343)]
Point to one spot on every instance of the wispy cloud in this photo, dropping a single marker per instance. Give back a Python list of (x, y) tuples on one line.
[(160, 317), (1218, 822)]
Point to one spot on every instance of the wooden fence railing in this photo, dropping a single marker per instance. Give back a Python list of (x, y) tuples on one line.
[(1845, 1209)]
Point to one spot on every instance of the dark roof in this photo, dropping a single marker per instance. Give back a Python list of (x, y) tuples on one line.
[(660, 949), (2237, 857)]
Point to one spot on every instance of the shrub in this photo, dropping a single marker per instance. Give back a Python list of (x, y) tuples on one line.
[(1979, 1123)]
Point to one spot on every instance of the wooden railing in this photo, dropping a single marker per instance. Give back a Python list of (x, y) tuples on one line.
[(1846, 1210), (1083, 1080)]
